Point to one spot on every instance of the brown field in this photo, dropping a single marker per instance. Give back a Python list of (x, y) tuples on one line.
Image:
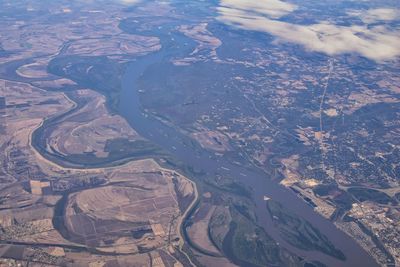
[(54, 84), (86, 29), (206, 43), (136, 199), (136, 209), (38, 69), (91, 131), (122, 46), (197, 230)]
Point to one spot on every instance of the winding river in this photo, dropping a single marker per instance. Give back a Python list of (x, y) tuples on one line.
[(176, 143), (180, 146)]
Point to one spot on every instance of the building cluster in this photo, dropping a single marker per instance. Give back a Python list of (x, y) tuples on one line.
[(383, 222)]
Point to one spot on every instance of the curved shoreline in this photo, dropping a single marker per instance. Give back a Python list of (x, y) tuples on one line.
[(216, 165), (113, 164), (38, 140), (174, 142)]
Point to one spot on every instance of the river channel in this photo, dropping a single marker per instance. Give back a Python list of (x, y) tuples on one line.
[(176, 143), (175, 45)]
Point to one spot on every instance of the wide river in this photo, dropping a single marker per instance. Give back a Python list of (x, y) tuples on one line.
[(175, 143)]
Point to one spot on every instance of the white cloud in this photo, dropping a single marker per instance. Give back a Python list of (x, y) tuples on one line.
[(376, 15), (130, 2), (271, 8), (377, 43), (127, 2)]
